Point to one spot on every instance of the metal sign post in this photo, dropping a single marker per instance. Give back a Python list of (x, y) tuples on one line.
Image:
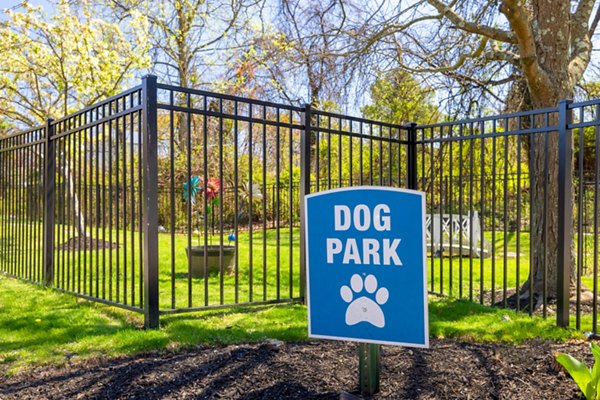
[(366, 275), (369, 362)]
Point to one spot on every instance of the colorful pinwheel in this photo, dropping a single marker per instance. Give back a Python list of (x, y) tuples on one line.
[(192, 191), (195, 187)]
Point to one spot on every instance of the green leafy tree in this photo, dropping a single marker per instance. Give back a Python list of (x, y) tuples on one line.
[(51, 66), (398, 98)]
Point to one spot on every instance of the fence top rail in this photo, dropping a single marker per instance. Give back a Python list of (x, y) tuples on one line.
[(581, 104), (487, 135), (360, 135), (219, 96), (39, 128), (357, 119), (99, 104), (529, 113), (204, 93), (97, 122), (238, 117)]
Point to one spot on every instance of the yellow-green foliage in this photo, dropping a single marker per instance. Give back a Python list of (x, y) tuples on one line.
[(398, 98), (51, 66)]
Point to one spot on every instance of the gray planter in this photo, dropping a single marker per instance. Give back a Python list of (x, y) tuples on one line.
[(197, 259)]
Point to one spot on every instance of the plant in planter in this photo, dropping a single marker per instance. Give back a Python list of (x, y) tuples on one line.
[(206, 258)]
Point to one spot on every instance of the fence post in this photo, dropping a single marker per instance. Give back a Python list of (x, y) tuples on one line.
[(150, 201), (304, 190), (49, 191), (411, 157), (565, 210)]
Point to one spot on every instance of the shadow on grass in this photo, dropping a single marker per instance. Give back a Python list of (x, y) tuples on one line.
[(200, 315), (445, 309), (238, 324), (475, 322), (40, 326), (499, 244)]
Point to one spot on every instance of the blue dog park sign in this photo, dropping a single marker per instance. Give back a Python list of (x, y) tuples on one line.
[(366, 270)]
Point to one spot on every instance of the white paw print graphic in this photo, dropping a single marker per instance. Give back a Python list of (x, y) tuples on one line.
[(364, 309)]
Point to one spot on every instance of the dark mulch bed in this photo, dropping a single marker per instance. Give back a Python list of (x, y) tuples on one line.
[(449, 370), (85, 243)]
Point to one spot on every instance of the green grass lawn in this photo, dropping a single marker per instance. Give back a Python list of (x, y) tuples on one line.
[(266, 270), (41, 326), (465, 277), (273, 274)]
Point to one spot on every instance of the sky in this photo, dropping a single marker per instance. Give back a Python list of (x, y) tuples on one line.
[(11, 3), (4, 4)]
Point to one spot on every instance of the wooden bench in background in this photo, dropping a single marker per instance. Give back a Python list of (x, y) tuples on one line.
[(446, 226)]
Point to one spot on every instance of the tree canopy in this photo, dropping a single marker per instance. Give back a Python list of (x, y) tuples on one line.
[(53, 65)]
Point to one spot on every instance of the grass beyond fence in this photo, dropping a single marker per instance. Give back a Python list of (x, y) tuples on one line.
[(114, 273), (109, 274)]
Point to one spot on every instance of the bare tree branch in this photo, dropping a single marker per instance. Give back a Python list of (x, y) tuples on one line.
[(594, 23), (497, 54), (459, 63), (467, 26), (518, 18), (581, 44)]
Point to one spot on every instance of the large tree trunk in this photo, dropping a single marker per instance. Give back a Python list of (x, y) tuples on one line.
[(543, 177), (544, 52)]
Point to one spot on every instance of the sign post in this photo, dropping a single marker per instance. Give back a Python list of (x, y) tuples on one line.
[(366, 275), (369, 362)]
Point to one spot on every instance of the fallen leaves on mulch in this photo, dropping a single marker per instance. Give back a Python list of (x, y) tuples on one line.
[(450, 369)]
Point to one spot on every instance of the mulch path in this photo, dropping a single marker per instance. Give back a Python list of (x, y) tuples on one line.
[(450, 369), (85, 243)]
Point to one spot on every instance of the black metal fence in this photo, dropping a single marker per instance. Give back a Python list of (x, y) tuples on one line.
[(536, 202), (21, 207), (490, 158), (58, 231), (165, 199), (583, 123), (229, 150)]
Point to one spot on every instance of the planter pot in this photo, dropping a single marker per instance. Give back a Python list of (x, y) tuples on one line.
[(197, 259)]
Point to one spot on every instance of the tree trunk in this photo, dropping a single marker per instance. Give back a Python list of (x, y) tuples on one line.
[(182, 118), (543, 177), (72, 195), (183, 64), (548, 81)]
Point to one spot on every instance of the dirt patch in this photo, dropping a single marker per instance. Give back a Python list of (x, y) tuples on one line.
[(496, 299), (85, 243), (311, 370)]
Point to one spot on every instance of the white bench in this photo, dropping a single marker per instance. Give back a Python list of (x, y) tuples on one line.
[(443, 228)]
